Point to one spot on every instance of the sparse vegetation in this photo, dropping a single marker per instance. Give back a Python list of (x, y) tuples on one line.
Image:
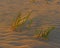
[(39, 33), (20, 21), (44, 34), (14, 24)]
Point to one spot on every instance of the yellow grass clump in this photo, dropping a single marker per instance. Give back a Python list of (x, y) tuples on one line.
[(20, 20)]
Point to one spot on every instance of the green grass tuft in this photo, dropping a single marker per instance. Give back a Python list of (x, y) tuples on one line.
[(44, 34)]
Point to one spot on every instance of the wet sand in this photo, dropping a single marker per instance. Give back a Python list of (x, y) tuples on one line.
[(44, 13)]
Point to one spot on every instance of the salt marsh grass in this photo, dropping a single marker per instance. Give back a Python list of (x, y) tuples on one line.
[(39, 33), (20, 20), (43, 34)]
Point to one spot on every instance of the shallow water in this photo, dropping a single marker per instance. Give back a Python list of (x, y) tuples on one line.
[(45, 12)]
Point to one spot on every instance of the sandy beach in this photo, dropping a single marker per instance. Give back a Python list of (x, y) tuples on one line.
[(45, 13)]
